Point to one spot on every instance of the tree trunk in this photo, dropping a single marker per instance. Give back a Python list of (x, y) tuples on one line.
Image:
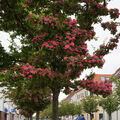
[(72, 117), (90, 116), (110, 117), (37, 115), (55, 104), (30, 117)]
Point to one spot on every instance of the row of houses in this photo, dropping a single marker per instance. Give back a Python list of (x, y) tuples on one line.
[(8, 110), (79, 95)]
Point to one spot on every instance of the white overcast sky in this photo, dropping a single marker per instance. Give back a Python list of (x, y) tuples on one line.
[(112, 61)]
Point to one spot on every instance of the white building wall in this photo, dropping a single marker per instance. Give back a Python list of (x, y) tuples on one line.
[(73, 99), (116, 114), (6, 104), (114, 117), (79, 95), (1, 104), (105, 116)]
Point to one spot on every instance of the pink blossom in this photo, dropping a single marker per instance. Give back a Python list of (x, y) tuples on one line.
[(40, 69), (66, 46), (25, 68), (15, 66), (73, 38), (33, 72), (72, 44), (65, 58), (68, 33), (52, 24), (81, 65), (76, 49), (50, 46), (68, 37), (43, 75), (70, 25), (95, 56), (30, 67), (55, 18), (40, 60), (23, 75), (93, 60), (28, 1), (33, 23), (54, 42), (71, 63), (28, 17), (29, 76), (46, 19)]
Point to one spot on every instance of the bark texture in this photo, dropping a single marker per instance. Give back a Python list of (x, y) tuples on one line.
[(55, 104)]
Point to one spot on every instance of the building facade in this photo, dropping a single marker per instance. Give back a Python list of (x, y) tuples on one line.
[(116, 114), (8, 111), (79, 95)]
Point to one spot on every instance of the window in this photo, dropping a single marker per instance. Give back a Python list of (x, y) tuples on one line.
[(107, 78), (91, 94), (92, 115), (102, 79), (78, 96), (100, 116), (86, 93), (82, 95)]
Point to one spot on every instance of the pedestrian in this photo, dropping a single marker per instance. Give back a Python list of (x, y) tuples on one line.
[(93, 118), (82, 117), (78, 118)]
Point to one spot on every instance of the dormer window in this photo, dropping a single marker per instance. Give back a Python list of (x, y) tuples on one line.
[(102, 79)]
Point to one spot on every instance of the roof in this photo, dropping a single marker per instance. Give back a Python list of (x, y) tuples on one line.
[(71, 94), (116, 72)]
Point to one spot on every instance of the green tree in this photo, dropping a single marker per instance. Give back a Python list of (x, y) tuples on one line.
[(59, 52), (110, 104), (47, 112), (6, 59), (67, 108), (115, 80), (25, 96), (78, 109), (90, 105)]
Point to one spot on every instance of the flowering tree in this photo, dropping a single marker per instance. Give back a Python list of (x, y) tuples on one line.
[(58, 43), (30, 103), (27, 98)]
